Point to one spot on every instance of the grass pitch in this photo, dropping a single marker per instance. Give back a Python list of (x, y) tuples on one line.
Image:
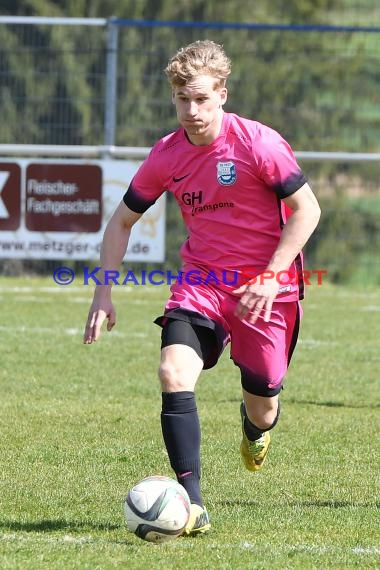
[(80, 424)]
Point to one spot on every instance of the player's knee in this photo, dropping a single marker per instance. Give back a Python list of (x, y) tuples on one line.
[(179, 368), (171, 377), (167, 373)]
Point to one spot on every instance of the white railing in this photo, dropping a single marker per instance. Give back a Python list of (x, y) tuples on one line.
[(82, 151), (73, 151), (40, 20)]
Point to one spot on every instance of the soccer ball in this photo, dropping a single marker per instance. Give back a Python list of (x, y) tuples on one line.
[(157, 509)]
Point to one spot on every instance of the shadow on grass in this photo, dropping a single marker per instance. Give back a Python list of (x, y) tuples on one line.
[(50, 526), (327, 404), (60, 524), (238, 503), (332, 504), (330, 404)]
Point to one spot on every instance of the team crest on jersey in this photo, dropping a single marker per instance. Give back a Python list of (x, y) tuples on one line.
[(226, 173)]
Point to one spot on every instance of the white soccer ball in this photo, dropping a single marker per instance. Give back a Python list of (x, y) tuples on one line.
[(157, 509)]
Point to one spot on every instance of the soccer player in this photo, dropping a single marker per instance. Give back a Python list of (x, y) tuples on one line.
[(249, 211)]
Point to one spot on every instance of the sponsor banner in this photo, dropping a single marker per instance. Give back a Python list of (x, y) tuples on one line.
[(10, 196), (53, 209), (61, 198)]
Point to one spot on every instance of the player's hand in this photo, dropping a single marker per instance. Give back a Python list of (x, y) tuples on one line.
[(99, 312), (256, 298)]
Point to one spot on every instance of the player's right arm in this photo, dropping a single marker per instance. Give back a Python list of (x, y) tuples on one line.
[(114, 245)]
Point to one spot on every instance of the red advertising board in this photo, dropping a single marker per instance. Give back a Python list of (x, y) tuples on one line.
[(63, 197)]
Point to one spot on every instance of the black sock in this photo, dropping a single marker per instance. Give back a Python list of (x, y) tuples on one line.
[(182, 437), (251, 431)]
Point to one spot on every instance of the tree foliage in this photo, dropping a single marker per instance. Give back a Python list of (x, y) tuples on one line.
[(319, 89), (308, 85)]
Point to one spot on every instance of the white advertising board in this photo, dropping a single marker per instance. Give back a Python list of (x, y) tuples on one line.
[(58, 209)]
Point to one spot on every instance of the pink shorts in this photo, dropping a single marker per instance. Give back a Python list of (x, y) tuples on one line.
[(262, 350)]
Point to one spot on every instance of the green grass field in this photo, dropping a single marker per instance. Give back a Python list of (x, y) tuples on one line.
[(80, 424)]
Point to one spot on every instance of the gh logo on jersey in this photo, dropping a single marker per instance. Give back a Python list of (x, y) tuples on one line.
[(226, 173), (191, 198)]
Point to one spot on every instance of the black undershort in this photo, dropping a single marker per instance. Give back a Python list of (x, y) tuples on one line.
[(202, 334)]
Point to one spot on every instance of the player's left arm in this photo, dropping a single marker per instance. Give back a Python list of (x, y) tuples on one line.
[(260, 295), (298, 228)]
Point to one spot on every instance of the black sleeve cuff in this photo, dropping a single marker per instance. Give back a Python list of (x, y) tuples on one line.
[(293, 183), (135, 202)]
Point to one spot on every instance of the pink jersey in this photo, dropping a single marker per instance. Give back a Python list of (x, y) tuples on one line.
[(229, 193)]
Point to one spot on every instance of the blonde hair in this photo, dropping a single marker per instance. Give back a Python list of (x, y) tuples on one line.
[(203, 57)]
